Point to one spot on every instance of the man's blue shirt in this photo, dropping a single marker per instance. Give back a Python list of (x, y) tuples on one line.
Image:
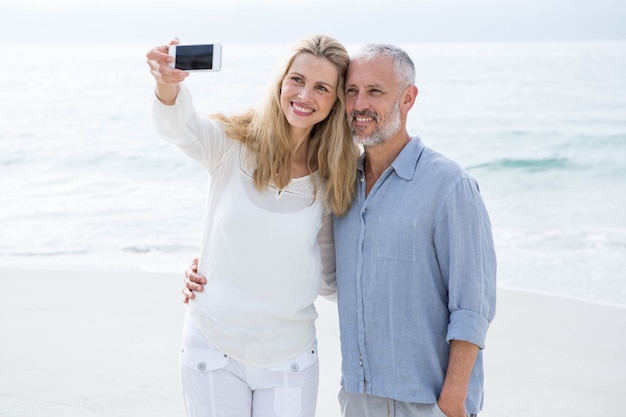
[(416, 268)]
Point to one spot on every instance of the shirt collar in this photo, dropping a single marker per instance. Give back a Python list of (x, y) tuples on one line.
[(405, 162)]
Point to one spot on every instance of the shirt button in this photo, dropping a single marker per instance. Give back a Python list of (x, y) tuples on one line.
[(201, 366), (295, 367)]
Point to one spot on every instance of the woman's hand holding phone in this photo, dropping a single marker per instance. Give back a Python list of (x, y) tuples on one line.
[(167, 78)]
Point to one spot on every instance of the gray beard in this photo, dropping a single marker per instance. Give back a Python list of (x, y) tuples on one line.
[(384, 131)]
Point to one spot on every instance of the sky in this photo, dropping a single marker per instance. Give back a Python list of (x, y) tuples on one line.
[(279, 21)]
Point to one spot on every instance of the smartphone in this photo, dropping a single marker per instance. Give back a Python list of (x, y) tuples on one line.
[(205, 57)]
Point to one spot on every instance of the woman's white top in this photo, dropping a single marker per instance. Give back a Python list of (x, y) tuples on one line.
[(266, 255)]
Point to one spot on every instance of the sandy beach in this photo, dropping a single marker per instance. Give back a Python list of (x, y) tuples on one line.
[(105, 343)]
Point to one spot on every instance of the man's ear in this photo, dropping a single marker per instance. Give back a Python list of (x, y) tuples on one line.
[(408, 97)]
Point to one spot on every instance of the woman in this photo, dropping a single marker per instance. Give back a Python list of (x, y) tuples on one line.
[(277, 174)]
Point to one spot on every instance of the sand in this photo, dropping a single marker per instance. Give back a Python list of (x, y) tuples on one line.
[(105, 343)]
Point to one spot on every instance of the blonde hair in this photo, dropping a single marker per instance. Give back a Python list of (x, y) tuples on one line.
[(330, 148)]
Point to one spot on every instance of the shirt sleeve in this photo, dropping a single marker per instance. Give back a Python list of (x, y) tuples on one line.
[(326, 242), (467, 257), (199, 137)]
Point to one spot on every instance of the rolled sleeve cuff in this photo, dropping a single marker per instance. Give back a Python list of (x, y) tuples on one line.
[(468, 326)]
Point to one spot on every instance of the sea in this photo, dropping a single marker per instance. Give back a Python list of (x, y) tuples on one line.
[(86, 183)]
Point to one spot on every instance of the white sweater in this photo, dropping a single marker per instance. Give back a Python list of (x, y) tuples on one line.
[(266, 255)]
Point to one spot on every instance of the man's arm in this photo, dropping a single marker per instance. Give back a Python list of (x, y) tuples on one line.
[(466, 253), (454, 391), (193, 282)]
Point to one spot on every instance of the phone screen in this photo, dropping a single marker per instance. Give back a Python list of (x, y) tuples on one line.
[(194, 57)]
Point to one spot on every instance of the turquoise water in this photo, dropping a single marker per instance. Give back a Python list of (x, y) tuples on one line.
[(85, 182)]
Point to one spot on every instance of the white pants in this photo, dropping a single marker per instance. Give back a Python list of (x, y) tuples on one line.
[(215, 385)]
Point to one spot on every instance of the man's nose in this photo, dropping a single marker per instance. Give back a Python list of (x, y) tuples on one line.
[(361, 102)]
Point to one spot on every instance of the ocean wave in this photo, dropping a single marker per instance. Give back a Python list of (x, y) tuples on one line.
[(42, 253), (159, 248), (6, 252), (528, 165)]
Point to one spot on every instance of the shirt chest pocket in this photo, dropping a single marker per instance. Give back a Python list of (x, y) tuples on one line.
[(395, 237)]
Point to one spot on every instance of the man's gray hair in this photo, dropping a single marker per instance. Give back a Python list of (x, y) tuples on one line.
[(403, 64)]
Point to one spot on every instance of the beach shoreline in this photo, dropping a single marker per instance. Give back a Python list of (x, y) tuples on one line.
[(105, 343)]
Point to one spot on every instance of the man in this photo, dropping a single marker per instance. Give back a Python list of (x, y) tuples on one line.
[(416, 266)]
